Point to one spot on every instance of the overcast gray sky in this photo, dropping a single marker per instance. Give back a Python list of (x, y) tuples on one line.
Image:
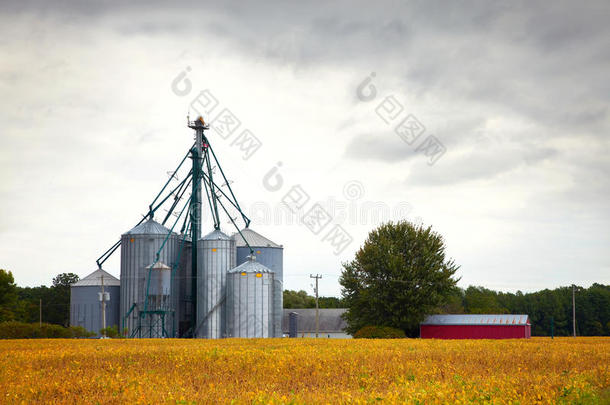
[(93, 113)]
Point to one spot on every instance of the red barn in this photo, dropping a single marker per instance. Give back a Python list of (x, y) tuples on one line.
[(476, 327)]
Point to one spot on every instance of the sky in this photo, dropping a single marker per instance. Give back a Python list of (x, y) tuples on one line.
[(488, 121)]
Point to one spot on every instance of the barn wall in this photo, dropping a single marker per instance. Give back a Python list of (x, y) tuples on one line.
[(475, 331)]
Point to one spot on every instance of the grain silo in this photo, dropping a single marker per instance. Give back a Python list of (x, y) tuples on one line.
[(250, 300), (216, 256), (86, 303), (139, 247), (182, 290), (271, 255), (158, 321)]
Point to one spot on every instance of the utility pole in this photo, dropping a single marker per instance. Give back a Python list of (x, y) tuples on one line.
[(574, 309), (317, 277), (103, 309), (40, 313)]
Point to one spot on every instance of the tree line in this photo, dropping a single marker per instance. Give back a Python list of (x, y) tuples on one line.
[(546, 308), (25, 304)]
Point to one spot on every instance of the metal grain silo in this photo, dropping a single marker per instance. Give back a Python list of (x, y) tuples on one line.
[(138, 249), (215, 256), (159, 286), (182, 290), (85, 303), (250, 301), (271, 255)]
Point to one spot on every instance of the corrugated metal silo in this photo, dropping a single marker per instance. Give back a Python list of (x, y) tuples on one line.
[(271, 255), (182, 290), (138, 249), (85, 305), (159, 293), (159, 286), (250, 301), (215, 256)]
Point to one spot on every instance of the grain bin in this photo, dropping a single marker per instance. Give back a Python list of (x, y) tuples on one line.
[(215, 256), (271, 255), (138, 249), (85, 305), (182, 291), (250, 300), (159, 286)]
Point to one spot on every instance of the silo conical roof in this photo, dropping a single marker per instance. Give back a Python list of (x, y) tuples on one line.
[(251, 266), (150, 227), (95, 279), (159, 266), (254, 239), (216, 235)]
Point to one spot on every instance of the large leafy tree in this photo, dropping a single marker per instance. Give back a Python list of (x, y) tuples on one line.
[(398, 276)]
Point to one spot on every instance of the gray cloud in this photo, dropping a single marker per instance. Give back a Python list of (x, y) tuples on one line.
[(381, 147), (517, 92), (477, 165)]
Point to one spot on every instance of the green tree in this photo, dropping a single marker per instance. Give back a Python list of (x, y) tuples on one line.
[(330, 302), (480, 300), (58, 309), (64, 281), (298, 299), (8, 296), (29, 301), (454, 303), (398, 276)]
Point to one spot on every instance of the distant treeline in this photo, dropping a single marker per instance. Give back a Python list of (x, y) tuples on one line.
[(544, 307), (25, 304)]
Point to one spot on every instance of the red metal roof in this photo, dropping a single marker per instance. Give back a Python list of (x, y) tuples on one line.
[(477, 319)]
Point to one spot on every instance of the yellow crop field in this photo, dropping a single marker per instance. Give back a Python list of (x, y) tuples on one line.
[(538, 370)]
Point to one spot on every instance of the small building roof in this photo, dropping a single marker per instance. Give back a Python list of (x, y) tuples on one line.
[(330, 320), (95, 279), (255, 239), (477, 319)]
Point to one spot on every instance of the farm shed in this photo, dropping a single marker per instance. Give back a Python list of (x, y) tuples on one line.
[(85, 303), (476, 327), (331, 324)]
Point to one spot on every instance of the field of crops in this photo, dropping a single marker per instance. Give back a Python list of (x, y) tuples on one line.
[(564, 370)]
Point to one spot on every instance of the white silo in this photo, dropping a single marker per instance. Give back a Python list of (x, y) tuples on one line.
[(139, 247), (271, 255), (250, 306), (215, 257)]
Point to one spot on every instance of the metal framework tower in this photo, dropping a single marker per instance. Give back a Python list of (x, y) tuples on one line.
[(152, 319)]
